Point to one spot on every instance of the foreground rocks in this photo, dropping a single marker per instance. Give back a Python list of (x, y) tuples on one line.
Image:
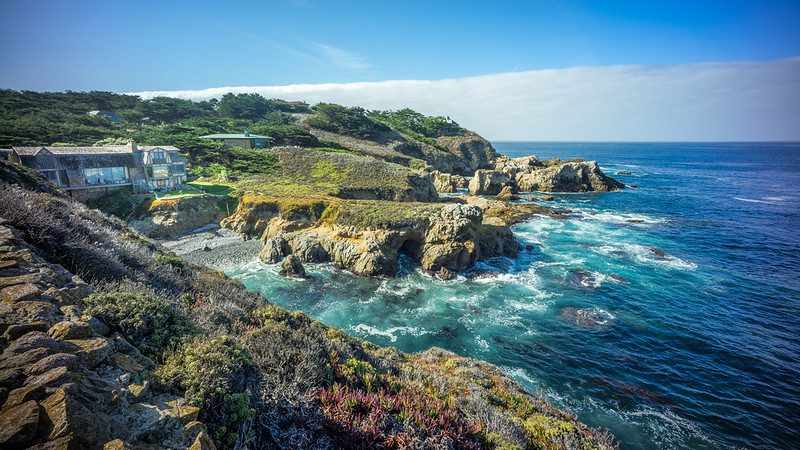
[(66, 382)]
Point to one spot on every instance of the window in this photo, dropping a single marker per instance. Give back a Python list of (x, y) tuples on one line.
[(178, 169), (106, 175), (158, 155), (158, 171)]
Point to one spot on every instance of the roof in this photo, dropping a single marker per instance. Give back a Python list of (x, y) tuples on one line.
[(234, 136), (102, 150)]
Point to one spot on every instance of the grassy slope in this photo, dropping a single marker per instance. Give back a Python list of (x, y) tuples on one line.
[(265, 377)]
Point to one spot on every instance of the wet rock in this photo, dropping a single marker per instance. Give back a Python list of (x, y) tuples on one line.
[(548, 198), (15, 331), (658, 252), (588, 317), (529, 247), (70, 330), (19, 423), (292, 267), (507, 194), (117, 444), (445, 274), (51, 362), (30, 341), (619, 278)]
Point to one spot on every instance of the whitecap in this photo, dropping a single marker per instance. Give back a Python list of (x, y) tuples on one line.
[(752, 200), (518, 373), (391, 333), (609, 217)]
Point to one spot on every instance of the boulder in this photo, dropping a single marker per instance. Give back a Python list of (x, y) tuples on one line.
[(203, 442), (70, 330), (25, 359), (19, 423), (569, 176), (31, 341), (274, 250), (507, 194), (292, 267), (15, 331), (10, 378), (488, 182), (51, 362), (92, 351), (126, 363), (62, 415)]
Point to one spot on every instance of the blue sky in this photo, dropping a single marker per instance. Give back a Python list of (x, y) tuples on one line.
[(127, 46)]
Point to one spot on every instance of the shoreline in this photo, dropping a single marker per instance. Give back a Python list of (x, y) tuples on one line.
[(226, 248)]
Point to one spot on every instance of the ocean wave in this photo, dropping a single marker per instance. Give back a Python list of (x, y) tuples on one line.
[(609, 217), (770, 200), (644, 254), (518, 373), (391, 333)]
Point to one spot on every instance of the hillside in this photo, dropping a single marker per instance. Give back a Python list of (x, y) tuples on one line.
[(261, 377)]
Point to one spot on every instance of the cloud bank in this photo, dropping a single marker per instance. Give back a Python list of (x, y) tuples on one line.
[(725, 101)]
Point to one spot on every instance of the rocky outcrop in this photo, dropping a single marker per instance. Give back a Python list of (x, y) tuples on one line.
[(65, 382), (452, 238), (176, 217), (489, 182), (577, 175), (292, 267), (447, 182)]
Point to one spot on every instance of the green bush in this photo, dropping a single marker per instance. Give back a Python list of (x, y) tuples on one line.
[(149, 323), (217, 375)]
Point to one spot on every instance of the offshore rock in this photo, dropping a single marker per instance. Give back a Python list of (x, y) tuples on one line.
[(292, 267), (507, 194), (569, 176)]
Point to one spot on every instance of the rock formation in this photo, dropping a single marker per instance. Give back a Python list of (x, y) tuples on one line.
[(577, 175), (66, 381), (292, 267), (454, 237), (446, 182), (488, 182), (171, 218)]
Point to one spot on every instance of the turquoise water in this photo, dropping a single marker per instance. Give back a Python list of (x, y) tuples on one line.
[(669, 313)]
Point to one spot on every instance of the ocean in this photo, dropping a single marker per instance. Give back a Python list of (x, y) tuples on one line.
[(668, 313)]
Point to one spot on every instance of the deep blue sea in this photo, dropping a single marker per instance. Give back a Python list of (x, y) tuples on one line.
[(668, 313)]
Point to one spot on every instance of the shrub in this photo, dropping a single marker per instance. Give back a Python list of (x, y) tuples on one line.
[(149, 323), (217, 375)]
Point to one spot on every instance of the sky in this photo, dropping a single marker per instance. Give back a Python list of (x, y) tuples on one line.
[(510, 70)]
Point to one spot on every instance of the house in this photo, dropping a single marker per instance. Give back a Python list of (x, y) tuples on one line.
[(245, 140), (89, 172)]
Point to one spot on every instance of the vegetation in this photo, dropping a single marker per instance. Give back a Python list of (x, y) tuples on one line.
[(150, 323), (348, 121)]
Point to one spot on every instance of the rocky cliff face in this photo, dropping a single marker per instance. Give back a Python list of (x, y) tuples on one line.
[(172, 218), (529, 174), (66, 381), (445, 242)]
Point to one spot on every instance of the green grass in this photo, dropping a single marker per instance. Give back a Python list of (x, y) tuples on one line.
[(213, 188)]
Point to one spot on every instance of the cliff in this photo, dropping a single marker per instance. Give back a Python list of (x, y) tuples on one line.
[(166, 218), (252, 373)]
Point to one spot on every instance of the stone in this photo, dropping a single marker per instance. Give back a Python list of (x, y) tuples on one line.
[(70, 330), (184, 413), (92, 351), (63, 443), (117, 444), (658, 252), (548, 198), (193, 428), (15, 331), (35, 311), (30, 341), (19, 292), (26, 359), (292, 267), (139, 391), (51, 362), (203, 442), (507, 194), (488, 182), (19, 423), (126, 363), (10, 378), (445, 274), (98, 327), (24, 394), (51, 377), (273, 251), (71, 312), (529, 247)]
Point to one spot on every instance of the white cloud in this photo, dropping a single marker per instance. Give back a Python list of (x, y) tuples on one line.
[(343, 58), (705, 101)]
